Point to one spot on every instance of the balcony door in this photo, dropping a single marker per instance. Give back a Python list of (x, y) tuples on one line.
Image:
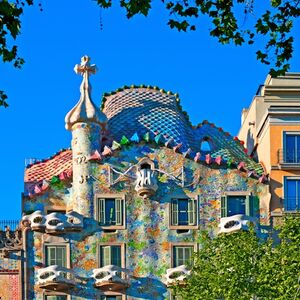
[(56, 255), (110, 255), (292, 148), (292, 194)]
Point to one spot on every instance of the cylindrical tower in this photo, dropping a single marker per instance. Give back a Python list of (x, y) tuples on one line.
[(85, 121)]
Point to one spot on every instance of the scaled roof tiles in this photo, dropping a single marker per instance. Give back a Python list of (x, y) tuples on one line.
[(140, 110)]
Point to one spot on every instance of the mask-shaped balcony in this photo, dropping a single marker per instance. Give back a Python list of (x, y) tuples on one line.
[(111, 278), (146, 184), (235, 223), (55, 278), (177, 275), (54, 223)]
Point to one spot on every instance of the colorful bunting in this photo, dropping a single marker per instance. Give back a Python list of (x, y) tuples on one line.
[(146, 137), (135, 138), (229, 162), (187, 152), (37, 189), (218, 160), (157, 138), (208, 159), (115, 145), (95, 156), (63, 176), (263, 178), (45, 185), (54, 180), (168, 142), (124, 140), (106, 151), (177, 147), (197, 157), (241, 166)]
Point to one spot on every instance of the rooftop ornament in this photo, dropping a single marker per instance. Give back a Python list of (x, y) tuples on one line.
[(85, 110)]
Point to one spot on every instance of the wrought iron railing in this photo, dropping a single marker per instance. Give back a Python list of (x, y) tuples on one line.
[(11, 224), (288, 156)]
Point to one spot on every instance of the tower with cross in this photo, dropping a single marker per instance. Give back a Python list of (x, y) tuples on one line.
[(85, 120)]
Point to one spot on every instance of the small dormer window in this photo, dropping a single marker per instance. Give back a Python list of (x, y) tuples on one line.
[(205, 145)]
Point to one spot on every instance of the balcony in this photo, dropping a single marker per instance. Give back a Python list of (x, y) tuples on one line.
[(289, 159), (10, 237), (146, 184), (235, 223), (56, 278), (177, 275), (54, 223), (111, 278)]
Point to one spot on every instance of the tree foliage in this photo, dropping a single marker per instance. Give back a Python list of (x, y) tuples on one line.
[(231, 22), (242, 266)]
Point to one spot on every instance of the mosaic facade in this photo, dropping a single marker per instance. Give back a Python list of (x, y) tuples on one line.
[(117, 215)]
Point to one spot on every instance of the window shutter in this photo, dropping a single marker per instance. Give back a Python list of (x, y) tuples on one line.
[(191, 211), (253, 205), (51, 257), (118, 210), (105, 256), (101, 211), (223, 206), (174, 212)]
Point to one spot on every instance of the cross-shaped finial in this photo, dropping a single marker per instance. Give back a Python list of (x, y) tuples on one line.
[(85, 67)]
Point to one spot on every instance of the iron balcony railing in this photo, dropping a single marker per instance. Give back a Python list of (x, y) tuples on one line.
[(288, 157), (291, 204), (9, 224)]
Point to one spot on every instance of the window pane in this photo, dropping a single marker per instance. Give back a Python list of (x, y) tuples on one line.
[(110, 212), (56, 255), (183, 212), (116, 255), (105, 258), (182, 255), (111, 298), (236, 205), (56, 297), (292, 194), (290, 148)]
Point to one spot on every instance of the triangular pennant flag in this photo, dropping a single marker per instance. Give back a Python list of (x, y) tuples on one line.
[(208, 159), (218, 160), (63, 176), (115, 145), (45, 185), (37, 189), (241, 166), (124, 140), (106, 151), (229, 162), (95, 156), (177, 147), (187, 152), (146, 137), (69, 173), (168, 142), (135, 138), (157, 138), (263, 178), (197, 157), (54, 180)]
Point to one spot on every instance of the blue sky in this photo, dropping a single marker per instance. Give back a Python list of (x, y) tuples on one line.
[(214, 82)]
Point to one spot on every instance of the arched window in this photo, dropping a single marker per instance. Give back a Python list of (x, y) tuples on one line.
[(205, 145)]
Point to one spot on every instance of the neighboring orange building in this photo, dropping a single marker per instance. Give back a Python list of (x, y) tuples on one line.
[(271, 132)]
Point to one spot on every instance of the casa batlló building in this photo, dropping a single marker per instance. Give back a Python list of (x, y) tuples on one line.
[(119, 214)]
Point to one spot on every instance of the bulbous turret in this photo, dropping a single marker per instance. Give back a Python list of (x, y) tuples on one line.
[(86, 121)]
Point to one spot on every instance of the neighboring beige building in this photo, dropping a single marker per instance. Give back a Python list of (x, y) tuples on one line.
[(271, 132)]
